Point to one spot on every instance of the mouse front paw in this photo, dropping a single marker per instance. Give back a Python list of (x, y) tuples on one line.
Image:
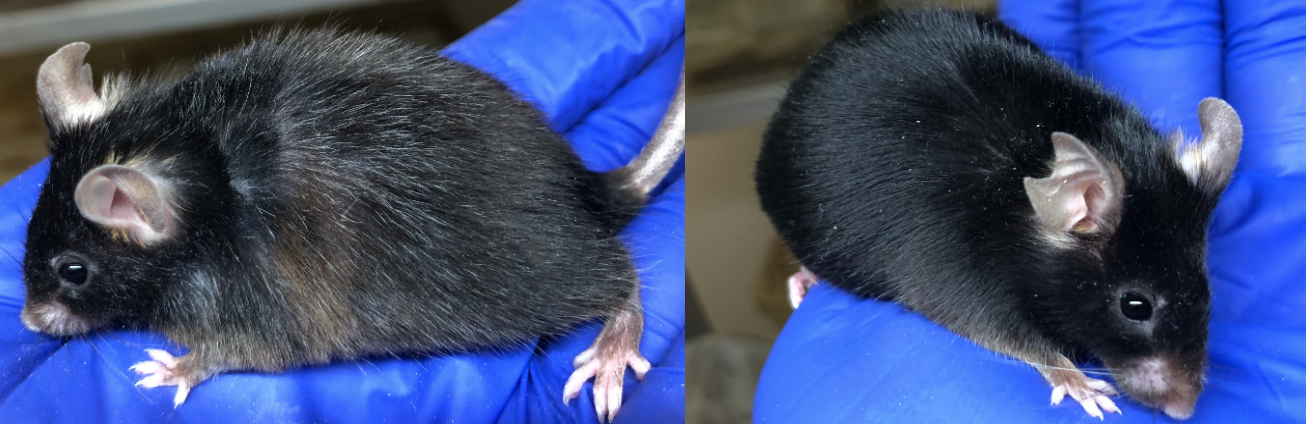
[(607, 365), (165, 370), (1092, 394)]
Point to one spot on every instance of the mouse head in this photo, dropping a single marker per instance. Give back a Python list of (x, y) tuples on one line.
[(106, 229), (1131, 284)]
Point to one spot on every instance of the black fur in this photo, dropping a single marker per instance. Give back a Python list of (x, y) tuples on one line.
[(894, 169), (340, 195)]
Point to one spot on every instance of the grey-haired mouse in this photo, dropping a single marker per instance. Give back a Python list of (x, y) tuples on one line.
[(314, 196), (941, 160)]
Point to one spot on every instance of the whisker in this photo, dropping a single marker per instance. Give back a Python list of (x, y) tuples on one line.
[(11, 256), (1086, 371)]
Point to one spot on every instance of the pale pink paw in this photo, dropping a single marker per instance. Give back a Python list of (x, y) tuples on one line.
[(161, 372), (608, 373), (1090, 393), (798, 285)]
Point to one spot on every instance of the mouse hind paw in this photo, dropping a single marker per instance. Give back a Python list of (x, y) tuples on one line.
[(166, 370), (608, 368), (616, 348)]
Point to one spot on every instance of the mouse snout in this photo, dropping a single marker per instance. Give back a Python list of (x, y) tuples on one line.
[(1160, 382), (54, 318), (1178, 410)]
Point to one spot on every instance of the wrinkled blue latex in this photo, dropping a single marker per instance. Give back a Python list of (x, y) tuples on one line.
[(604, 72), (845, 359)]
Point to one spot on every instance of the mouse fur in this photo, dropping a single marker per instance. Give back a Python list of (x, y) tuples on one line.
[(318, 195), (942, 160)]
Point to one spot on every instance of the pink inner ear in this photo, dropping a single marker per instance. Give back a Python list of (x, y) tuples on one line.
[(1077, 212), (1094, 201), (1082, 200), (95, 197), (103, 201), (1083, 192), (123, 209)]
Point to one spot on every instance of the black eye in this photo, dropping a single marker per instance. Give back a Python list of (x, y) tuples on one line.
[(73, 273), (1135, 306)]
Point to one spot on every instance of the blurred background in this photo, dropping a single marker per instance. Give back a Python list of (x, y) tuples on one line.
[(167, 36), (740, 56)]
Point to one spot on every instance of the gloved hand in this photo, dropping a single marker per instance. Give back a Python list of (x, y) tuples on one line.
[(603, 71), (845, 359)]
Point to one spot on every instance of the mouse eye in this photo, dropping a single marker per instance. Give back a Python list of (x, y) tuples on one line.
[(1135, 306), (72, 272)]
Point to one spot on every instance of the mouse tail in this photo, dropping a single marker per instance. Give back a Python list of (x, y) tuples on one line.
[(629, 186)]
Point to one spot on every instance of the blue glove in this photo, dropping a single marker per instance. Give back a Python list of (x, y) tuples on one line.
[(846, 359), (604, 72)]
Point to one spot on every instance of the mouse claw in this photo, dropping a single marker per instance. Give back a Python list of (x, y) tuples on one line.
[(147, 367), (1107, 404), (152, 381), (1090, 405), (182, 390)]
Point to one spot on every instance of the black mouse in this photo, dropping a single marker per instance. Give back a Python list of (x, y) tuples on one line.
[(941, 160), (318, 195)]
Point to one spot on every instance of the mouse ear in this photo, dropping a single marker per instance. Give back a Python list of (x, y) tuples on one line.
[(128, 203), (64, 87), (1209, 163), (1084, 192)]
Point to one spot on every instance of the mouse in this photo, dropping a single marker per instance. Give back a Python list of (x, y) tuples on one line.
[(323, 195), (941, 160)]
